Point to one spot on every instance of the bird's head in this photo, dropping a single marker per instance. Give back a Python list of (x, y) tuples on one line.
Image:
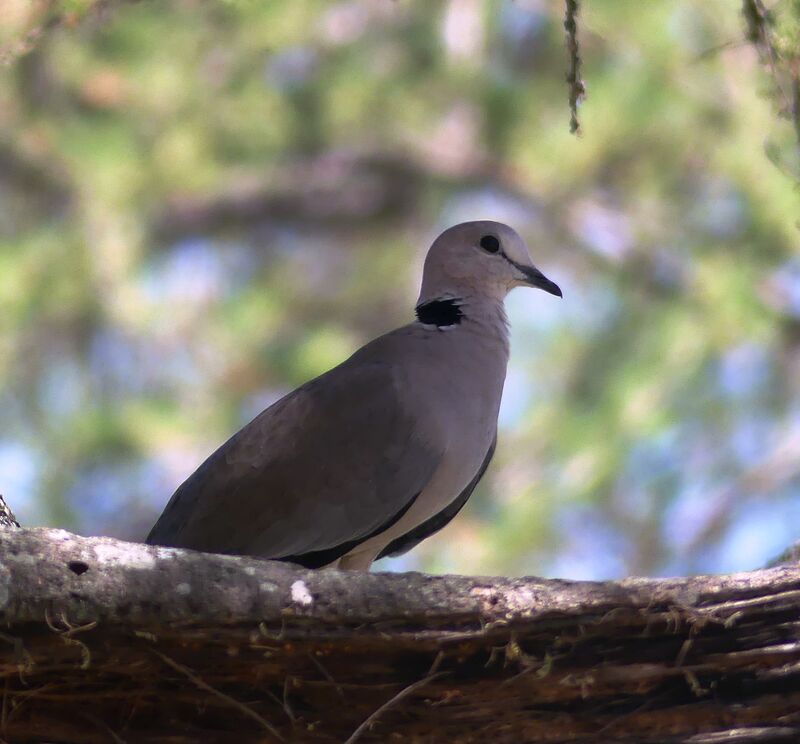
[(480, 259)]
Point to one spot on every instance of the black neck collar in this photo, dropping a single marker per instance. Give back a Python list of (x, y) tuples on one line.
[(441, 313)]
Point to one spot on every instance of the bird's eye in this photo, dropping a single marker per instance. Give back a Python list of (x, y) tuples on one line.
[(490, 243)]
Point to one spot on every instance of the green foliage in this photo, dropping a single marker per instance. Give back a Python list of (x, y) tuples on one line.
[(205, 204)]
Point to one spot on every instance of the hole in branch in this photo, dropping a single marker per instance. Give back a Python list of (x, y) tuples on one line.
[(77, 567)]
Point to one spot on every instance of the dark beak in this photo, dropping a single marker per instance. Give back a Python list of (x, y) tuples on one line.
[(535, 278)]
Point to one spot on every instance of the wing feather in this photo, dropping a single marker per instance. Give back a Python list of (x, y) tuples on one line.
[(414, 537), (333, 462)]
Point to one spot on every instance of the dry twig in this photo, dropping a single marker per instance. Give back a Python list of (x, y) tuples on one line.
[(246, 710), (375, 715)]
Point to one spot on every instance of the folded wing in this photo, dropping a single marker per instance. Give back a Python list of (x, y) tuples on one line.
[(331, 464)]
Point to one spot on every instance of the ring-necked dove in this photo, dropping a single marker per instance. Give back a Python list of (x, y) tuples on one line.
[(377, 454)]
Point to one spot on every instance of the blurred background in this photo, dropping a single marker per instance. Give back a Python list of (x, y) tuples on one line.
[(204, 204)]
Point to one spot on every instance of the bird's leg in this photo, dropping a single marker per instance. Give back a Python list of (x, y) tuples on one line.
[(356, 561)]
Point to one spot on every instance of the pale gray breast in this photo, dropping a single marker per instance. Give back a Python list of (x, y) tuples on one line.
[(455, 382), (458, 387)]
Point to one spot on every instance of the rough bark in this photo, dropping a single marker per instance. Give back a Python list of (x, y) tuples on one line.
[(112, 641)]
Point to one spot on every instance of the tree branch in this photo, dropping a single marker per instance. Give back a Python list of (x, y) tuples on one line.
[(259, 649), (783, 64), (7, 518), (335, 189)]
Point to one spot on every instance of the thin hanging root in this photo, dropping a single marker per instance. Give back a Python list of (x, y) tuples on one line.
[(577, 89)]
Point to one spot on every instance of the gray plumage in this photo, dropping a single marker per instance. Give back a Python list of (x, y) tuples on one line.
[(378, 453)]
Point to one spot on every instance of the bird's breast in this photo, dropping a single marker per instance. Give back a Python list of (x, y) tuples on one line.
[(463, 391), (455, 390)]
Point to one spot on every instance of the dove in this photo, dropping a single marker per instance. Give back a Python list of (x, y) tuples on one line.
[(382, 451)]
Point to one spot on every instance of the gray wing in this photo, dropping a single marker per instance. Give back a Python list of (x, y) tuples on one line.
[(414, 537), (332, 463)]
